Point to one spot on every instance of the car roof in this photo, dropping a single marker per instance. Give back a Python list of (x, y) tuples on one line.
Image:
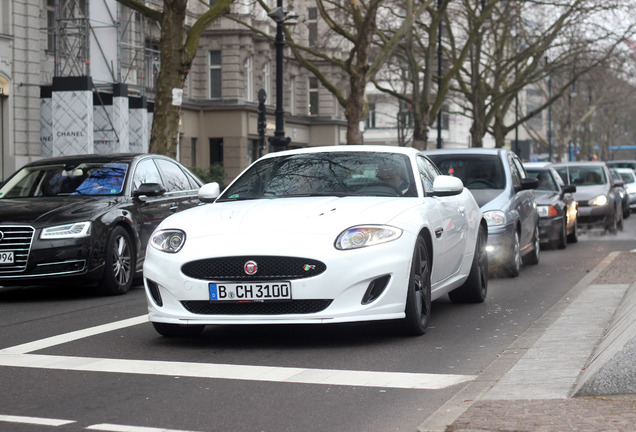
[(471, 150), (346, 148), (579, 163), (115, 157), (622, 161), (535, 165)]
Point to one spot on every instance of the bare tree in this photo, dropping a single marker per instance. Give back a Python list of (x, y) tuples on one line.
[(178, 48), (350, 29), (523, 43), (425, 66)]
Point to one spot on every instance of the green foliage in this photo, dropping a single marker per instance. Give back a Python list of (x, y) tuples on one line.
[(214, 173)]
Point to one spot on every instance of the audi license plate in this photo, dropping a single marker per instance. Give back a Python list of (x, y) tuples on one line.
[(6, 257), (258, 292)]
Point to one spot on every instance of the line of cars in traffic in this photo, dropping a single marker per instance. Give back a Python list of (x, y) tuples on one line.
[(316, 235)]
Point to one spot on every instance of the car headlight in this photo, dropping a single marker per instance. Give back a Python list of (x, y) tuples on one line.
[(495, 217), (547, 211), (170, 241), (600, 201), (367, 235), (71, 230)]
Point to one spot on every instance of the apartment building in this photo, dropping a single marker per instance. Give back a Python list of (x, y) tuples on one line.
[(53, 50)]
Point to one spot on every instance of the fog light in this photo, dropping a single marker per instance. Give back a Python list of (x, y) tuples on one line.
[(376, 287), (153, 288)]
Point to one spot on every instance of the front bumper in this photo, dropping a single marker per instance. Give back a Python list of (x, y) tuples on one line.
[(595, 216), (339, 289), (500, 242), (550, 228)]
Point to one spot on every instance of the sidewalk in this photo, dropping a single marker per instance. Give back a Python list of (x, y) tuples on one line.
[(572, 371)]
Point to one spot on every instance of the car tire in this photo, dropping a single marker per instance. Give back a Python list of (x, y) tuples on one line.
[(562, 240), (573, 237), (177, 330), (475, 288), (418, 294), (533, 257), (513, 266), (119, 268)]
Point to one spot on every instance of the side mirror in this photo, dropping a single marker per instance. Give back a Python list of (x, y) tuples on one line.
[(568, 188), (148, 190), (529, 183), (444, 185), (209, 192)]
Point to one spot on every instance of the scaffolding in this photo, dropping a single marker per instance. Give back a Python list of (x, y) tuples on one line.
[(106, 41)]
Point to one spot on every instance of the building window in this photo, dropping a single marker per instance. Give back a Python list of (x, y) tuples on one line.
[(193, 151), (216, 151), (313, 96), (312, 26), (153, 64), (370, 124), (292, 95), (266, 81), (249, 78), (215, 75), (50, 22)]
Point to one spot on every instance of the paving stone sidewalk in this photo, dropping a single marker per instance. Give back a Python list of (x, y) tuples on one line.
[(544, 366), (589, 414)]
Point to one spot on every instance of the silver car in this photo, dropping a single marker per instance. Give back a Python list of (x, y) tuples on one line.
[(600, 206), (504, 192)]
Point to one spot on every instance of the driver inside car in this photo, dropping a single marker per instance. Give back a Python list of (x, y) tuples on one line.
[(392, 173)]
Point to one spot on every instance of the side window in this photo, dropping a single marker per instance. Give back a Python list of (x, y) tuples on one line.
[(428, 171), (146, 172), (174, 178), (520, 168), (514, 169)]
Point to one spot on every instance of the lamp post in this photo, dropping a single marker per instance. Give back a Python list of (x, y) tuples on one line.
[(279, 141), (439, 75)]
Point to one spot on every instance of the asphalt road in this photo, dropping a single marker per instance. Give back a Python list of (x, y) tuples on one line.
[(73, 361)]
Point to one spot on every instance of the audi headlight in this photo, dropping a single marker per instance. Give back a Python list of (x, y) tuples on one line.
[(170, 241), (71, 230), (366, 235), (599, 201), (495, 217)]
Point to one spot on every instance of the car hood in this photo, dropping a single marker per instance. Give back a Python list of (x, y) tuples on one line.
[(585, 193), (41, 212), (288, 215), (485, 196), (545, 197)]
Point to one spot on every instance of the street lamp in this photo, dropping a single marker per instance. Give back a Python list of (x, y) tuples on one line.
[(279, 141)]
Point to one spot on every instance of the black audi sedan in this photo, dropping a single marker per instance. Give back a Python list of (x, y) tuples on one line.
[(87, 218)]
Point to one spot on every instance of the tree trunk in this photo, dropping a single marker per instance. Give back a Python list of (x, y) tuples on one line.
[(165, 125), (354, 111)]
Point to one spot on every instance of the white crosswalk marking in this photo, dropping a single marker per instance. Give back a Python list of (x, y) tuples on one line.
[(18, 356), (34, 420)]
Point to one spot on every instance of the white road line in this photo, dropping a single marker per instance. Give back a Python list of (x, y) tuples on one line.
[(72, 336), (18, 356), (123, 428), (34, 420), (422, 381)]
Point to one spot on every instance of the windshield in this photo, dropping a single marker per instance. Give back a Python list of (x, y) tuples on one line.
[(476, 171), (546, 182), (60, 180), (325, 174), (587, 175), (628, 177)]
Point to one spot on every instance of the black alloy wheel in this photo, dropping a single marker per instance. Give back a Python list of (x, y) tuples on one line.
[(119, 266), (418, 295)]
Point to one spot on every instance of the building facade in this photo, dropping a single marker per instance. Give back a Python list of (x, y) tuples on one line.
[(54, 53)]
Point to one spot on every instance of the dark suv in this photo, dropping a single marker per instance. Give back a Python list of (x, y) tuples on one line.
[(503, 190)]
